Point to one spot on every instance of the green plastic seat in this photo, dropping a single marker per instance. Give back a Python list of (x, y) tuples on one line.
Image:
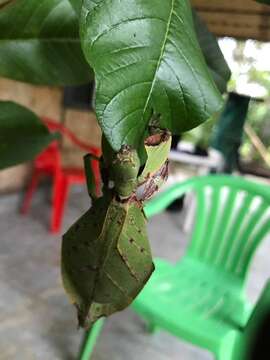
[(202, 299), (250, 341), (89, 340)]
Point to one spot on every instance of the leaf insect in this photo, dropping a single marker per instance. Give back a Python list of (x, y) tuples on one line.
[(106, 256)]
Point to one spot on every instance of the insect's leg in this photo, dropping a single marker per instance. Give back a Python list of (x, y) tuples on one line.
[(91, 167)]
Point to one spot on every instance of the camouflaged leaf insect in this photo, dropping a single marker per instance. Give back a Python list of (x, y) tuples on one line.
[(106, 257)]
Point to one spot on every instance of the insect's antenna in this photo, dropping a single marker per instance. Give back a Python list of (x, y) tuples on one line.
[(91, 181)]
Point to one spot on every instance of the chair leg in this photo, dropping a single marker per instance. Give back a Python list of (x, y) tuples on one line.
[(229, 350), (29, 193), (60, 193), (90, 340), (151, 327)]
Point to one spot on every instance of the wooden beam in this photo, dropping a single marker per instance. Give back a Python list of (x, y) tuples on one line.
[(240, 6), (242, 19)]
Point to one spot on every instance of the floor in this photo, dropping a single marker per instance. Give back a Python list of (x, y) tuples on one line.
[(36, 320)]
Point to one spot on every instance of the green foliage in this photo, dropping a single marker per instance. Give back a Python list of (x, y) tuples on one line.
[(264, 1), (39, 43), (146, 60), (22, 135), (213, 56), (259, 112), (76, 4), (149, 70)]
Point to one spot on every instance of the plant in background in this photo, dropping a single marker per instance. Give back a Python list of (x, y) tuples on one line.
[(251, 77), (150, 76)]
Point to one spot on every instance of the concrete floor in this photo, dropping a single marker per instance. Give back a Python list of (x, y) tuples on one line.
[(36, 320)]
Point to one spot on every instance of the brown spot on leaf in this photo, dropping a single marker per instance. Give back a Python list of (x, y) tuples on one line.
[(157, 139)]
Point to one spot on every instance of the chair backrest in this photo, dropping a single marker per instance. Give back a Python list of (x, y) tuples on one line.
[(232, 217), (54, 126), (50, 158)]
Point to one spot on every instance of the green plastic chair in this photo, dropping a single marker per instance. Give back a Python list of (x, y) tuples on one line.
[(89, 340), (202, 298), (246, 345)]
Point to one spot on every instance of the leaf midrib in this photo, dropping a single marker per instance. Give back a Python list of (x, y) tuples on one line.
[(160, 58)]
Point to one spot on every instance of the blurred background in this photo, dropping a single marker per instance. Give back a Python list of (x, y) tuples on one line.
[(36, 320)]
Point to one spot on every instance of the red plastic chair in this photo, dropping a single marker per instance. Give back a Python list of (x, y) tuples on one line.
[(49, 163)]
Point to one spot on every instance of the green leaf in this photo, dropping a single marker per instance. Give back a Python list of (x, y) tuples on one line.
[(146, 59), (77, 5), (22, 135), (214, 58), (39, 43)]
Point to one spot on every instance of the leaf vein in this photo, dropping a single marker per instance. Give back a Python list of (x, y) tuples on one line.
[(193, 72), (120, 92), (160, 58), (180, 88), (128, 65), (119, 24)]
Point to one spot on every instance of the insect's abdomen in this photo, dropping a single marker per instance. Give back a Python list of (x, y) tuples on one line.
[(128, 264), (106, 259), (81, 252)]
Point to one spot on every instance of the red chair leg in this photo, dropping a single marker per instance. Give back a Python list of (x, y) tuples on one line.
[(29, 193), (60, 193)]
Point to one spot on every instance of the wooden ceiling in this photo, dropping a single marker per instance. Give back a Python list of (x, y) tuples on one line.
[(242, 19)]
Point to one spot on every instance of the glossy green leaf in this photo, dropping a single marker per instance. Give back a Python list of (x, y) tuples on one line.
[(146, 59), (214, 58), (22, 135), (39, 43), (77, 5)]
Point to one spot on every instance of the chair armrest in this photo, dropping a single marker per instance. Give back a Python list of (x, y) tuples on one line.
[(54, 126), (162, 200), (257, 329)]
